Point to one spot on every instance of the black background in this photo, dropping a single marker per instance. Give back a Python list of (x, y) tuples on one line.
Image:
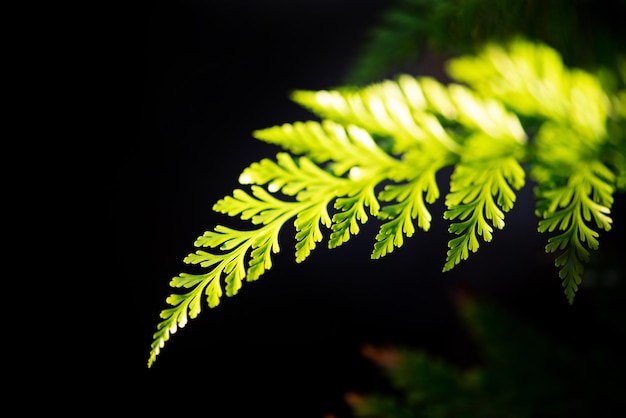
[(191, 81)]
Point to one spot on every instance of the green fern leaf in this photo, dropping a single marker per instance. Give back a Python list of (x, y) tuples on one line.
[(586, 198), (344, 147), (308, 231), (260, 208), (230, 263), (530, 78), (301, 179), (400, 110), (480, 193), (352, 210), (410, 204), (185, 306), (314, 189)]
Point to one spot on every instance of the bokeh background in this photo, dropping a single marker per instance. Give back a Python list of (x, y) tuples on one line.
[(198, 78)]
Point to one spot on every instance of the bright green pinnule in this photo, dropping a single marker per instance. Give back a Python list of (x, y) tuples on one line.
[(513, 113)]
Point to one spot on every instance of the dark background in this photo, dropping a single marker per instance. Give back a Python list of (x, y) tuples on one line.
[(193, 79)]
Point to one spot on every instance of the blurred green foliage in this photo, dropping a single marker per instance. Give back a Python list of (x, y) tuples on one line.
[(522, 372), (588, 34)]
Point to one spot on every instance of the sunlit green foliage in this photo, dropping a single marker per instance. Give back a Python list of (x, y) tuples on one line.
[(575, 187), (514, 111)]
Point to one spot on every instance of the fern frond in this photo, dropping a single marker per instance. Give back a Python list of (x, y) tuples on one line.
[(401, 110), (348, 150), (308, 231), (378, 149), (343, 147), (586, 198), (480, 194), (409, 202), (247, 254), (230, 264), (299, 179), (407, 110), (531, 79), (485, 115), (574, 189), (352, 210), (260, 207)]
